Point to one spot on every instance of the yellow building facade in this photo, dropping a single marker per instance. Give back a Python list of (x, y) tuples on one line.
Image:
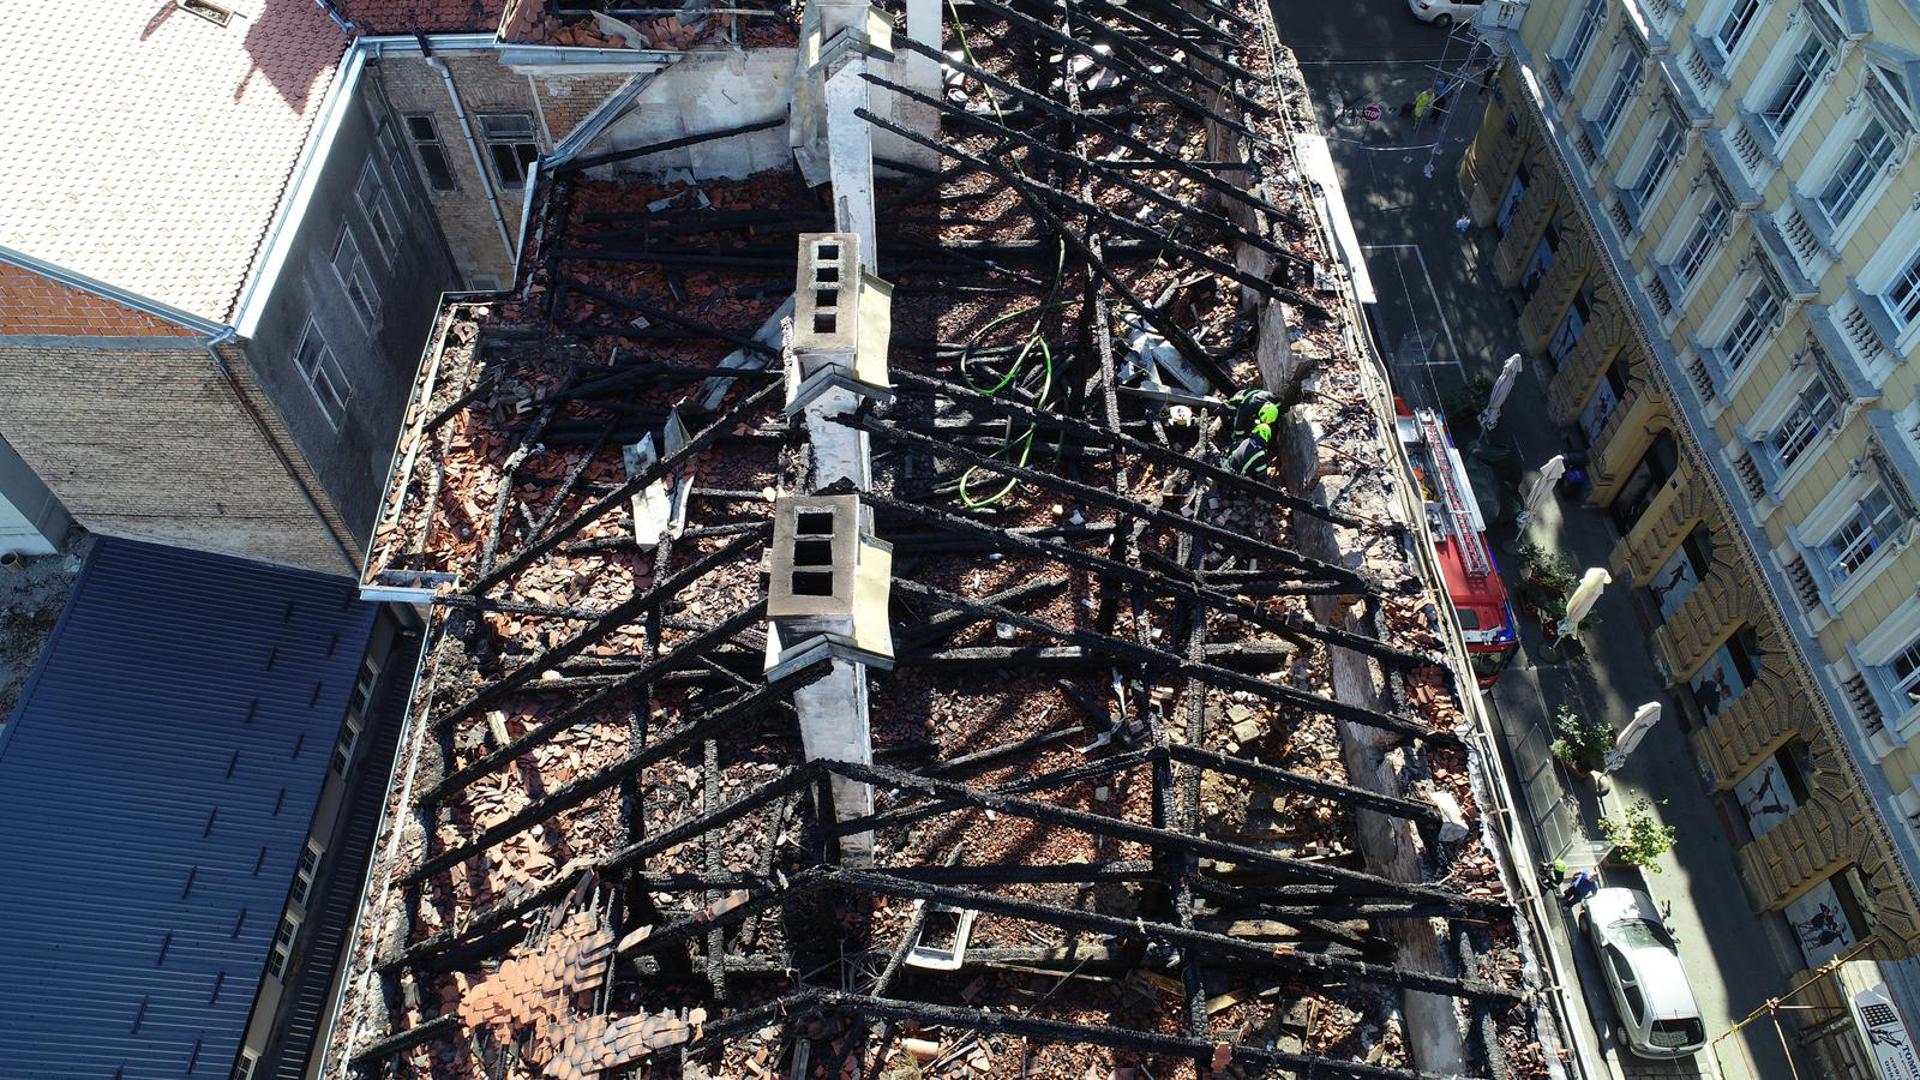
[(1712, 210)]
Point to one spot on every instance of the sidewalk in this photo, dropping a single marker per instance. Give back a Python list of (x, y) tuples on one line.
[(1441, 320)]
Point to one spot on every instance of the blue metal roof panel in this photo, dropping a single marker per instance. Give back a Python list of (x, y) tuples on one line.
[(156, 786)]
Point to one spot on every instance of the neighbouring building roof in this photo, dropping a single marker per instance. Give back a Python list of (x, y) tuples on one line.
[(152, 150), (156, 787), (424, 16)]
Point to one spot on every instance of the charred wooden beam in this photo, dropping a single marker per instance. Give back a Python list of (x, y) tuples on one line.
[(594, 160)]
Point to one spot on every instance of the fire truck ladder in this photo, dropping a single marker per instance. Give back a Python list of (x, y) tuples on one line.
[(1473, 550)]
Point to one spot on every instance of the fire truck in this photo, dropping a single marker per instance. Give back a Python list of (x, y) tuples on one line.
[(1460, 542)]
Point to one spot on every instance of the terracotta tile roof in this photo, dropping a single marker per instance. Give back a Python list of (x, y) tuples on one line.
[(152, 150), (423, 16)]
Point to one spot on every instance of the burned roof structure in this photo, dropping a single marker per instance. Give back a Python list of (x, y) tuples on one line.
[(850, 654)]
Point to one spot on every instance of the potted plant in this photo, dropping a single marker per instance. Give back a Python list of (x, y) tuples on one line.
[(1638, 840), (1582, 744)]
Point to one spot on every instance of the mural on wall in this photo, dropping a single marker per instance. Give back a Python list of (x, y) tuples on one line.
[(1674, 583), (1716, 685), (1765, 797), (1821, 924)]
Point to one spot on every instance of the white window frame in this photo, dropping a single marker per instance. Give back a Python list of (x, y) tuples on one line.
[(1874, 656), (1628, 72), (370, 192), (325, 367), (307, 870), (1748, 313), (345, 743), (351, 271), (1716, 23), (388, 136), (1573, 46), (280, 954), (1837, 157), (1803, 422), (1654, 150), (244, 1068), (1689, 225), (1824, 522), (1781, 68), (1897, 256)]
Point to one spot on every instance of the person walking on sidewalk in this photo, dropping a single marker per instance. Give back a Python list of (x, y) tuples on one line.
[(1583, 885)]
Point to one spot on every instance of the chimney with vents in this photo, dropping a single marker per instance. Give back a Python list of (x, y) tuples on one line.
[(842, 321), (828, 582)]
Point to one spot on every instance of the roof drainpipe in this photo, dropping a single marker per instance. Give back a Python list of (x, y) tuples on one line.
[(473, 146), (286, 461)]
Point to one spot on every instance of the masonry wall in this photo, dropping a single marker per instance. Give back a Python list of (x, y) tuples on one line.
[(409, 266)]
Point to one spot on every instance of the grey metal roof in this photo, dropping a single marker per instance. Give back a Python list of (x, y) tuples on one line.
[(156, 785)]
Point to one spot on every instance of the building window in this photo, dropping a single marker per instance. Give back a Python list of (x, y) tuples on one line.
[(363, 687), (304, 873), (371, 194), (1664, 151), (344, 745), (1752, 323), (352, 270), (1803, 73), (433, 154), (243, 1069), (1902, 296), (282, 955), (511, 145), (1810, 417), (1625, 81), (1867, 529), (1644, 481), (1734, 25), (1585, 29), (1702, 240), (1871, 151), (322, 372), (397, 161)]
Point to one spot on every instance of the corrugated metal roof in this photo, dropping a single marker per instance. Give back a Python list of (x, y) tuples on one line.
[(156, 785)]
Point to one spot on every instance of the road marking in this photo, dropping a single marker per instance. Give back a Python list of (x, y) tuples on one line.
[(1438, 307), (1373, 63)]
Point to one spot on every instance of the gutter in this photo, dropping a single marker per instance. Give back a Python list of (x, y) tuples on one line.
[(473, 147)]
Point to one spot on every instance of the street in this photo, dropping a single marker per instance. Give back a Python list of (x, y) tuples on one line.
[(1441, 320)]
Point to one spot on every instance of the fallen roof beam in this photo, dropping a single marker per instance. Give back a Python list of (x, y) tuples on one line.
[(611, 156), (755, 402), (1345, 794), (620, 615)]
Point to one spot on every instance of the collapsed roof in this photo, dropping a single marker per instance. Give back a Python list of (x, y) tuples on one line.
[(850, 654)]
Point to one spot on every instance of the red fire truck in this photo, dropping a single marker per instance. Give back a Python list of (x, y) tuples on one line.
[(1460, 541)]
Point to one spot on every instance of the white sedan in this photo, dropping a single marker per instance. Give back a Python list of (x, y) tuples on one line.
[(1643, 972), (1443, 12)]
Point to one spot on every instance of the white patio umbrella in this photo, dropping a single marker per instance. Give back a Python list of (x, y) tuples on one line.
[(1540, 487), (1582, 600), (1623, 744), (1502, 386)]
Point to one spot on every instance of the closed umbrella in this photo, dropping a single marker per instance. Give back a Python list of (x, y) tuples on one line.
[(1582, 600), (1541, 486), (1502, 386), (1643, 720)]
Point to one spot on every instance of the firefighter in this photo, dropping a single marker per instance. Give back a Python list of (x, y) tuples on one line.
[(1250, 456), (1250, 407)]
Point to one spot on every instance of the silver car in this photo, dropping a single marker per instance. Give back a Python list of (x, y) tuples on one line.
[(1643, 972)]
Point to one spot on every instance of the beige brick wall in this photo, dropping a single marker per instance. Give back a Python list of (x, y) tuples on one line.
[(567, 100), (143, 437)]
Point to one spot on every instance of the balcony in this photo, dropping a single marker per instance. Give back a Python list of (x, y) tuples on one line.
[(1773, 242), (1753, 146), (1706, 68), (1654, 20), (1726, 159), (1837, 354), (1808, 235)]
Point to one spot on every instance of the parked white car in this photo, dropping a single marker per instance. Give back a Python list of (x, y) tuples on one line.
[(1443, 12), (1642, 968)]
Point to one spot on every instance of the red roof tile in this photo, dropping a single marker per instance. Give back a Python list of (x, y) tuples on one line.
[(151, 149)]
